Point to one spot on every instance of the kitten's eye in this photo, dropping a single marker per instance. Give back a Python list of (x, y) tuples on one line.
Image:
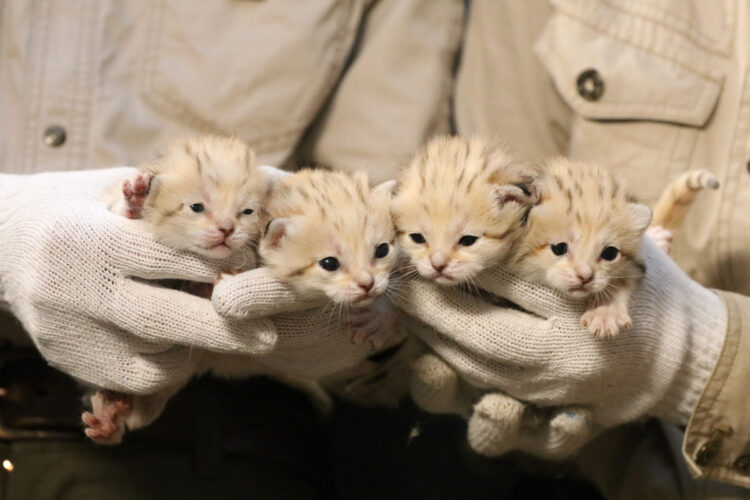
[(329, 263), (559, 248), (196, 207), (247, 211), (467, 241), (417, 238), (610, 253), (381, 250)]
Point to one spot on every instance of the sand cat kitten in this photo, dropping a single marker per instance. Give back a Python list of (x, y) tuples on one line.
[(202, 194), (584, 235), (583, 239), (329, 232), (460, 206)]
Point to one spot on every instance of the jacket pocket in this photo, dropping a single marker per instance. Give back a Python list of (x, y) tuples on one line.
[(255, 69), (639, 90)]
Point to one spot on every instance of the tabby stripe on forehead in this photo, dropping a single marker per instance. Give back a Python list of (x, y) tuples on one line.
[(198, 163), (300, 271), (170, 213), (499, 236)]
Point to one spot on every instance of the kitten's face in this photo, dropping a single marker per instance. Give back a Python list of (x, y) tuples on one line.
[(208, 199), (329, 232), (581, 247), (455, 215)]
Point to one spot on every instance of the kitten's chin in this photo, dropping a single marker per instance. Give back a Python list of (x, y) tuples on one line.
[(444, 280), (220, 251), (579, 292)]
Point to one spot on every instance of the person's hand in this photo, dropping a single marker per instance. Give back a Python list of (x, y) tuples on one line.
[(317, 339), (658, 367), (73, 273)]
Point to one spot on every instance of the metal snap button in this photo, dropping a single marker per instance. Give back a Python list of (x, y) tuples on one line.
[(742, 464), (54, 136), (590, 85), (707, 452)]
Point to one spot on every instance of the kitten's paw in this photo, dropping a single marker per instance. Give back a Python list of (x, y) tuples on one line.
[(104, 424), (662, 237), (375, 323), (135, 192), (607, 320)]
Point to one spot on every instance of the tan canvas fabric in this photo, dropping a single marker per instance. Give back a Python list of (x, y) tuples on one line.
[(122, 77), (676, 96)]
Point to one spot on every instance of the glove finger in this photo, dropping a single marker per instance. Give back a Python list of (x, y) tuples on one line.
[(114, 360), (257, 294), (494, 427), (470, 326), (158, 314), (559, 435), (538, 299), (136, 252)]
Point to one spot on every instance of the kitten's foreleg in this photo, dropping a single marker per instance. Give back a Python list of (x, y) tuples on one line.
[(376, 323), (606, 319), (662, 237), (135, 192), (114, 412)]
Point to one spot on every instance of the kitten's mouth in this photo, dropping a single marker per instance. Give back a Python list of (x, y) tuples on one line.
[(363, 300), (443, 279), (579, 290)]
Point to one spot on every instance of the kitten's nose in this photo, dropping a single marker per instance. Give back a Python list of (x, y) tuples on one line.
[(365, 281), (585, 274), (438, 261), (226, 227)]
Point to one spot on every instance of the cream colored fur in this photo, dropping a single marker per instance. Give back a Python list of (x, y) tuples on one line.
[(675, 201), (318, 214), (219, 173), (586, 208), (456, 187)]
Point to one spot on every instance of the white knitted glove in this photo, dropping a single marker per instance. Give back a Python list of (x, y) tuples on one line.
[(72, 272), (656, 368)]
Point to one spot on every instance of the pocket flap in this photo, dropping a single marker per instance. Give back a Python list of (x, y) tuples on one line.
[(605, 78)]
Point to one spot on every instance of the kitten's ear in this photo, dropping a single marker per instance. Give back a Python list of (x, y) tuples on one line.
[(273, 175), (640, 215), (275, 231), (522, 194), (386, 189)]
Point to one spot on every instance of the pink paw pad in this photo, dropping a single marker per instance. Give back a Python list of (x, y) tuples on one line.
[(135, 193), (104, 423)]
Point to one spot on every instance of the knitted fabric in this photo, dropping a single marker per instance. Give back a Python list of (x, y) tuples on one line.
[(657, 368), (75, 275)]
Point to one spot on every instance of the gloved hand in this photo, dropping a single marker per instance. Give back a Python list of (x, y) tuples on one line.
[(73, 273), (546, 357), (317, 341)]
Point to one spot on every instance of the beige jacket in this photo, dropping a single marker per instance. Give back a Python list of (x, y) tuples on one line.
[(360, 84), (121, 77), (651, 88)]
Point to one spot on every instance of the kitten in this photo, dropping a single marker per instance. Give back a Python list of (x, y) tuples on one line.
[(202, 194), (328, 232), (460, 207), (583, 239)]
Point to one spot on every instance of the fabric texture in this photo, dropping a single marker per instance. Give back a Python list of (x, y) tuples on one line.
[(75, 275), (658, 367)]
